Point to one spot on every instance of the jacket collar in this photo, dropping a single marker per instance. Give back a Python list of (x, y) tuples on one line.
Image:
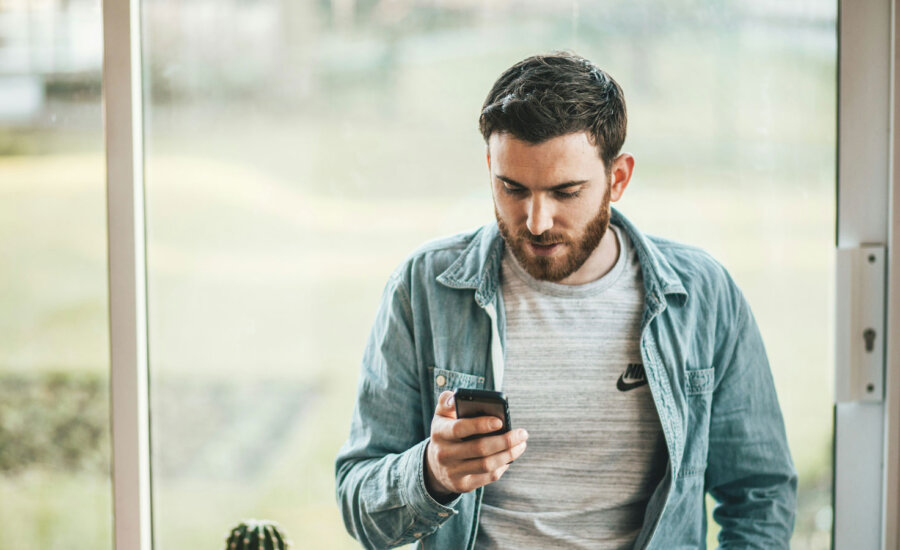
[(478, 267)]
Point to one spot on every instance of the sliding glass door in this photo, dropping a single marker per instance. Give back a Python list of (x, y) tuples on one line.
[(297, 151)]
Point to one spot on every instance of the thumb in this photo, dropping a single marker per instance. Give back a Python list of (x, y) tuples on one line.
[(446, 406)]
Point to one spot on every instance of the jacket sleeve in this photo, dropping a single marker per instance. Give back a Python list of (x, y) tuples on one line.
[(379, 470), (749, 472)]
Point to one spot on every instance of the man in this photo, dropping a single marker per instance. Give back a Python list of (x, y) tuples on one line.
[(633, 362)]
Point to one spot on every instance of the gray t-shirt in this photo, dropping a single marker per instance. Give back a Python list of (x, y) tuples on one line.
[(574, 379)]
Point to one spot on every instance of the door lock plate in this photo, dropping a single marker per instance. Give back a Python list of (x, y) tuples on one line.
[(859, 353)]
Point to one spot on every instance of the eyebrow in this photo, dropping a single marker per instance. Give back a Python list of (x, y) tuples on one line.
[(558, 187)]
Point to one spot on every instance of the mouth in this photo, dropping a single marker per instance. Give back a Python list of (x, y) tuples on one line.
[(544, 249)]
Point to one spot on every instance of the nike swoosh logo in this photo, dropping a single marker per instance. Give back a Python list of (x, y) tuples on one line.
[(622, 385)]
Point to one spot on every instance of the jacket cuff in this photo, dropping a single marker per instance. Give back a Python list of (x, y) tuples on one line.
[(416, 495)]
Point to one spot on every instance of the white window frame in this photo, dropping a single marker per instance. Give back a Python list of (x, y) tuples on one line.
[(867, 436), (129, 407), (891, 512)]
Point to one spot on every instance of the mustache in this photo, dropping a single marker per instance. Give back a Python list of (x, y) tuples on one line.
[(544, 238)]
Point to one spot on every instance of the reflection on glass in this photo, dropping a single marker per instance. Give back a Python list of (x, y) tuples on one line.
[(291, 167), (54, 359)]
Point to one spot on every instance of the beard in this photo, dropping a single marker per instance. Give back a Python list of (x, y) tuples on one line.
[(558, 267)]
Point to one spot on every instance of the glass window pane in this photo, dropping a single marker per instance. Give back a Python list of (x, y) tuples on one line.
[(292, 166), (54, 346)]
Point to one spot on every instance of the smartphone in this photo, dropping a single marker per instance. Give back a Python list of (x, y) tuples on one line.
[(474, 403)]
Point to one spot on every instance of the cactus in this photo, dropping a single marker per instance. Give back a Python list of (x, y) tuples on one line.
[(257, 535)]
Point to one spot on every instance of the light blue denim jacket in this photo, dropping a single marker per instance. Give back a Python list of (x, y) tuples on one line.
[(442, 315)]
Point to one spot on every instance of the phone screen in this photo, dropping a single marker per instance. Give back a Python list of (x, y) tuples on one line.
[(470, 409)]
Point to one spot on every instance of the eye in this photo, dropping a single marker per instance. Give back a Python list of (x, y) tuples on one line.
[(515, 191), (566, 194)]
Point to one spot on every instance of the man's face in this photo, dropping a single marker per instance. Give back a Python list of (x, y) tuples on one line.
[(551, 201)]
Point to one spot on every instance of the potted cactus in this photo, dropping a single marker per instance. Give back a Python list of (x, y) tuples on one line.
[(255, 534)]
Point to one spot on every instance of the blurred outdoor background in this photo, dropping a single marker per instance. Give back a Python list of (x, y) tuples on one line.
[(296, 152)]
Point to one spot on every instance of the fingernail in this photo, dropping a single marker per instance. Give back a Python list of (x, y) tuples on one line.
[(496, 424), (523, 434), (450, 400)]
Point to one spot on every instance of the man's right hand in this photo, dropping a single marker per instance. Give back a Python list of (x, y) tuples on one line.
[(456, 466)]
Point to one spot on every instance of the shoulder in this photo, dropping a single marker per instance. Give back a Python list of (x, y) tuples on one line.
[(448, 247), (704, 278), (435, 256), (688, 261)]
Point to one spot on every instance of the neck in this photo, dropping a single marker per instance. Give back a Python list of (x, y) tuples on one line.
[(599, 263)]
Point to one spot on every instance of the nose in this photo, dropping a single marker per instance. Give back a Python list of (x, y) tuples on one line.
[(540, 216)]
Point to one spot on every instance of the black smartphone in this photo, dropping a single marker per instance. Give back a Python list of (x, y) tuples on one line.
[(474, 403)]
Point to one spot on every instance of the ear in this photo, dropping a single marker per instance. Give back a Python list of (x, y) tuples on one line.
[(487, 154), (620, 175)]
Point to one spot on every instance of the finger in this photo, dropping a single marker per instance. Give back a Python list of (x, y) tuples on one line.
[(454, 431), (517, 451), (489, 445), (445, 405), (491, 463), (466, 427), (474, 481)]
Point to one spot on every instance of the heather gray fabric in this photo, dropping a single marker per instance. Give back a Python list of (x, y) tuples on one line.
[(595, 452)]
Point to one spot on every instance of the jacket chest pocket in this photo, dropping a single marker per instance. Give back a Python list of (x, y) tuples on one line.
[(700, 381), (443, 380)]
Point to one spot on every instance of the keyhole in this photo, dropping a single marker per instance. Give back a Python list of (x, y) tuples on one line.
[(869, 336)]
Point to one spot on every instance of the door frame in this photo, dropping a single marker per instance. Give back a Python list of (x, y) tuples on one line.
[(867, 438)]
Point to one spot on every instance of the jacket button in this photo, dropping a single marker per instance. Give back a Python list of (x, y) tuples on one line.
[(441, 380)]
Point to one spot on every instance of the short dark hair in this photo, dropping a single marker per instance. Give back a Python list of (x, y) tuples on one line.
[(547, 96)]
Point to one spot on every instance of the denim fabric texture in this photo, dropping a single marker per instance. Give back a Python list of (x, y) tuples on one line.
[(705, 364)]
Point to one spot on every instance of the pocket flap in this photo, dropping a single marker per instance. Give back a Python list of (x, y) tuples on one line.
[(700, 381), (445, 379)]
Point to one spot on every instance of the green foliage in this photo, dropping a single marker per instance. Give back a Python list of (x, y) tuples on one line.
[(56, 420)]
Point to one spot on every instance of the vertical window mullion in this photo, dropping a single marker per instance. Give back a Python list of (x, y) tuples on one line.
[(863, 217), (122, 105), (892, 374)]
